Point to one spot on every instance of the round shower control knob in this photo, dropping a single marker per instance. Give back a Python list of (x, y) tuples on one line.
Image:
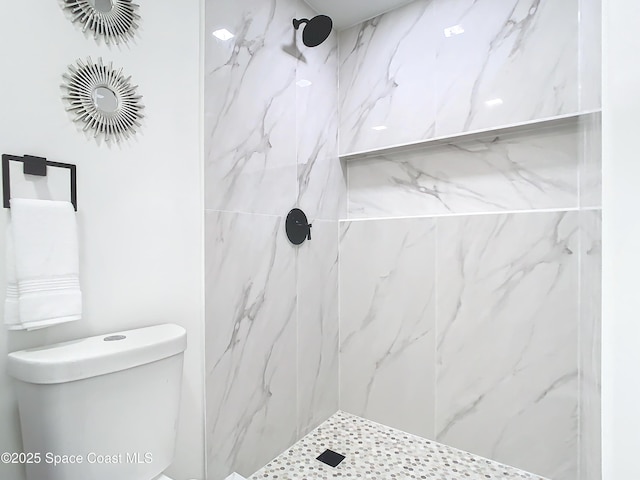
[(297, 226)]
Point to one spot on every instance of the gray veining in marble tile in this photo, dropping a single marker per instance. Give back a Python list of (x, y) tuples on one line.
[(317, 326), (382, 84), (590, 340), (250, 334), (516, 61), (250, 92), (270, 145), (402, 70), (530, 170), (387, 315), (321, 182), (507, 379), (506, 331)]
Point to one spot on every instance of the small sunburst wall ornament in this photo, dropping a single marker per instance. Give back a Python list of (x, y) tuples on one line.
[(112, 19), (103, 99)]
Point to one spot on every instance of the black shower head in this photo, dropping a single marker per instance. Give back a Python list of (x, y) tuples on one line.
[(316, 31)]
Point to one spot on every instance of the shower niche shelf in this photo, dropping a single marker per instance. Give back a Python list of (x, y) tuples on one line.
[(467, 137)]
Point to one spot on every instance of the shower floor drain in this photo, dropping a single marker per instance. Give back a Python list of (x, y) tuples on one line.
[(331, 458)]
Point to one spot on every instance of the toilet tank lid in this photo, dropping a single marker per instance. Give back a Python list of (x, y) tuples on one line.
[(99, 355)]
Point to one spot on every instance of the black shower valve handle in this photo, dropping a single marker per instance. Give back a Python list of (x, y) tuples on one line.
[(297, 227), (305, 225)]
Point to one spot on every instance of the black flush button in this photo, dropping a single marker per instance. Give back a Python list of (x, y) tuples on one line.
[(331, 458)]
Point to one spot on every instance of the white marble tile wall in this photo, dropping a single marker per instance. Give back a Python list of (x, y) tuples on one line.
[(271, 143), (321, 181), (590, 54), (250, 159), (271, 308), (523, 53), (531, 170), (317, 283), (504, 358), (387, 78), (516, 60), (271, 337), (507, 375), (387, 327), (271, 139), (250, 338), (590, 339)]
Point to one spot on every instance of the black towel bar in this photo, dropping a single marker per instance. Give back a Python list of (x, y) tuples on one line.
[(34, 166)]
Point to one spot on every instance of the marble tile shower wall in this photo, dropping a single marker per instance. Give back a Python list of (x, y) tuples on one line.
[(271, 143), (271, 309), (271, 338), (478, 331), (507, 373), (470, 272), (518, 60), (387, 322), (590, 54), (590, 340), (534, 170)]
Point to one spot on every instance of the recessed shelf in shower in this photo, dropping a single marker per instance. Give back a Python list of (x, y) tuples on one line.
[(471, 136)]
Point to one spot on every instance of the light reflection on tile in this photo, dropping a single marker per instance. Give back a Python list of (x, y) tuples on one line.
[(250, 160), (479, 79), (380, 78)]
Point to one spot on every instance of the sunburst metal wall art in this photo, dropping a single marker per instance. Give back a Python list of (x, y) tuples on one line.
[(103, 99), (112, 19)]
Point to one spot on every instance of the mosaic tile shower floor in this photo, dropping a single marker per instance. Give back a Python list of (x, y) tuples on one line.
[(374, 451)]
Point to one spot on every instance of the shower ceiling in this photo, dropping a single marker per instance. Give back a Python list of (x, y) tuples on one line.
[(346, 13)]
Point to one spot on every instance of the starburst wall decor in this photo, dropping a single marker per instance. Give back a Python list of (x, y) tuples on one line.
[(103, 99), (111, 19)]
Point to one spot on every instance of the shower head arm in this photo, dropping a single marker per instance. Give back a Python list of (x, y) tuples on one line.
[(297, 23)]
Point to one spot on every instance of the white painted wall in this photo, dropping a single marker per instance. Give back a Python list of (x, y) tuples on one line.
[(621, 241), (141, 210)]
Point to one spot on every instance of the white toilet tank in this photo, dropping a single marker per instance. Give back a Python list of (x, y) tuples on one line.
[(102, 408)]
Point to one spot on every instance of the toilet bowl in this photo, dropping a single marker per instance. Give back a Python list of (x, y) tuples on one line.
[(110, 402)]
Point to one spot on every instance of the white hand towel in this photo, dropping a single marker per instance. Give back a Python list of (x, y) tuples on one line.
[(11, 315), (45, 255)]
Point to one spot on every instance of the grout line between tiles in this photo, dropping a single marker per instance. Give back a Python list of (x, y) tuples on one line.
[(297, 314), (436, 276), (338, 230), (579, 349)]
